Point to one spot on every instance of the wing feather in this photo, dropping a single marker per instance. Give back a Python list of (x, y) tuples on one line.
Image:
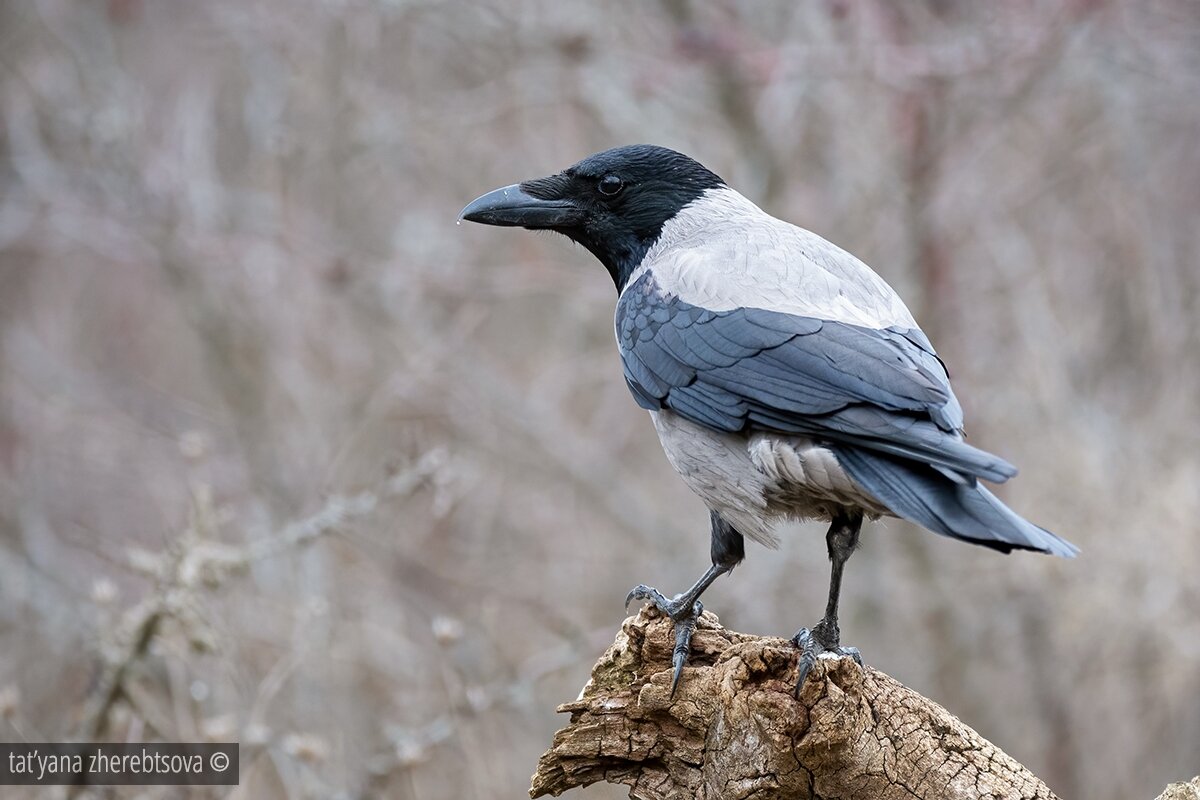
[(757, 369)]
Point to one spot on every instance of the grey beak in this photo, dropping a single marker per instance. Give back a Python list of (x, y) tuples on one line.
[(509, 206)]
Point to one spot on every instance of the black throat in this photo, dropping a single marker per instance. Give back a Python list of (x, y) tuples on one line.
[(621, 256)]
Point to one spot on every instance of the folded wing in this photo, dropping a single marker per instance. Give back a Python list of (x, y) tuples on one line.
[(754, 369)]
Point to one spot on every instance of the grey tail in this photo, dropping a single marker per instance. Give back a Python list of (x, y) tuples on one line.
[(919, 493)]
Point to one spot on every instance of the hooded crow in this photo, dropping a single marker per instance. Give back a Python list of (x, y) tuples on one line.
[(786, 380)]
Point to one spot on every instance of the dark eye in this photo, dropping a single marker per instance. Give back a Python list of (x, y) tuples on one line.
[(609, 185)]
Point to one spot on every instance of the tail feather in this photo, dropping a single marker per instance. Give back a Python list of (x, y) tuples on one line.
[(922, 494)]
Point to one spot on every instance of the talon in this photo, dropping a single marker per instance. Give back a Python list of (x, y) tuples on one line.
[(853, 653), (644, 592), (683, 646), (811, 646), (808, 656), (683, 616)]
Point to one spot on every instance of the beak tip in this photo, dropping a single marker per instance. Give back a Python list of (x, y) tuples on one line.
[(482, 208), (509, 206)]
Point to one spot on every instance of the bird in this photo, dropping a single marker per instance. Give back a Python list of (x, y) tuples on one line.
[(786, 380)]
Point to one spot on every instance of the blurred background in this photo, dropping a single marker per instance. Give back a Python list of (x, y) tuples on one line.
[(289, 458)]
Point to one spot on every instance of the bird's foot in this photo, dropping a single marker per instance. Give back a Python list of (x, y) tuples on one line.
[(683, 614), (823, 638)]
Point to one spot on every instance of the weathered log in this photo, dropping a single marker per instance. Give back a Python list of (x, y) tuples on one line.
[(1182, 791), (735, 730)]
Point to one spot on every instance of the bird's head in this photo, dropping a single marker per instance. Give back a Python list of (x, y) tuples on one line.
[(614, 203)]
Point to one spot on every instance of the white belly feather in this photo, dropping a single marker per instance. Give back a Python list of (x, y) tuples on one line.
[(756, 480)]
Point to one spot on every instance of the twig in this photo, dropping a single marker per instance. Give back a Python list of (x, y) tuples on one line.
[(194, 562)]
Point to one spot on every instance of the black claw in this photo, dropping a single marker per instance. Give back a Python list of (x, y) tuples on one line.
[(685, 624), (674, 609), (684, 628), (853, 653), (650, 594), (808, 656), (683, 644), (810, 647)]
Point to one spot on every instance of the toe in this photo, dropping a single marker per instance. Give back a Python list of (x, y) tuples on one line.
[(851, 652), (684, 617), (683, 647), (809, 650), (811, 644), (647, 593), (803, 638), (678, 659)]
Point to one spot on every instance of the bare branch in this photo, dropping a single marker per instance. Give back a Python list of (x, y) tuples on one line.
[(194, 562)]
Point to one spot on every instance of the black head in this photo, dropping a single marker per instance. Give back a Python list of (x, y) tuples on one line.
[(614, 203)]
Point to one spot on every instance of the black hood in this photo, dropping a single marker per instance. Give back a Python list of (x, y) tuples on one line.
[(614, 203)]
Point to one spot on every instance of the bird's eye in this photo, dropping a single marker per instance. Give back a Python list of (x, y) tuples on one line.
[(609, 185)]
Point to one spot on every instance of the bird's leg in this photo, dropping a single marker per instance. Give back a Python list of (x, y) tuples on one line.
[(728, 550), (825, 637)]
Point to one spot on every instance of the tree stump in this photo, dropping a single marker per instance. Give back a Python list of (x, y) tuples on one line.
[(735, 730), (1182, 791)]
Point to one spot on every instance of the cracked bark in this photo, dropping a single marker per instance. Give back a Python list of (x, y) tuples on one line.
[(1182, 791), (734, 729)]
